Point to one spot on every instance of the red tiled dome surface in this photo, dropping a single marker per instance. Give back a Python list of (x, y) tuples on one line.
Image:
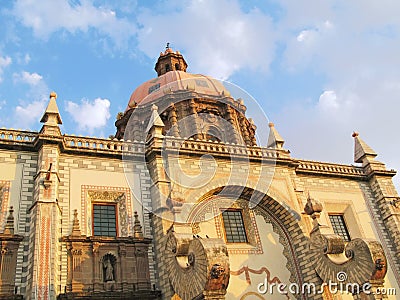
[(175, 81)]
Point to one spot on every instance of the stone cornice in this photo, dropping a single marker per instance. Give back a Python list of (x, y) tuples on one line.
[(11, 237), (106, 240)]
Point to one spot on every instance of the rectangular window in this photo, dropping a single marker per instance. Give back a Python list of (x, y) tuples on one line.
[(201, 83), (339, 226), (104, 220), (234, 226), (154, 88)]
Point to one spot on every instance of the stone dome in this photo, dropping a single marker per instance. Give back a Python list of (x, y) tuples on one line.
[(189, 106), (173, 81)]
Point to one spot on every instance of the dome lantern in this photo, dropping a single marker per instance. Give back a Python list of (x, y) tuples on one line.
[(170, 61)]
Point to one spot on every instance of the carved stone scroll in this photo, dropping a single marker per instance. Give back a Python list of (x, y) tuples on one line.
[(356, 263), (197, 267)]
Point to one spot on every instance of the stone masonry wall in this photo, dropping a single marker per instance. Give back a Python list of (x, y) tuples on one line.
[(21, 197), (103, 165)]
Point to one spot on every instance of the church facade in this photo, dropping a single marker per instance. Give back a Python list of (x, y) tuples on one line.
[(184, 204)]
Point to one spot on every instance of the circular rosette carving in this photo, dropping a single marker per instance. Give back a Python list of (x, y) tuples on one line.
[(357, 262), (196, 266)]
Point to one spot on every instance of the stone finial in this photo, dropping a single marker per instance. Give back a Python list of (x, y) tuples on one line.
[(137, 228), (155, 119), (362, 152), (9, 228), (51, 115), (313, 208), (119, 115), (53, 95), (76, 229), (274, 139)]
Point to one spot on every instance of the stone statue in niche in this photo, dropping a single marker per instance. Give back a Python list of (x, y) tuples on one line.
[(108, 268)]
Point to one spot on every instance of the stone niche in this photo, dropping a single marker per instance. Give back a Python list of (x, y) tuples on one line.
[(105, 267)]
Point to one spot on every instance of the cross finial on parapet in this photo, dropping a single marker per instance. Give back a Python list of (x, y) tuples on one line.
[(167, 46)]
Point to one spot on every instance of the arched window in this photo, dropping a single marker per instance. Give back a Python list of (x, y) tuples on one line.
[(177, 66), (167, 68)]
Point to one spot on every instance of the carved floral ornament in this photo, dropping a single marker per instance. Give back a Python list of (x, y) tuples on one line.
[(106, 196), (76, 251)]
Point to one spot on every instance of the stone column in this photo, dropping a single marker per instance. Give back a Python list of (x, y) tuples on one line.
[(173, 121)]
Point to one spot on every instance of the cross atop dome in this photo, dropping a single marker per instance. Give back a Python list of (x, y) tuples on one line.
[(170, 61)]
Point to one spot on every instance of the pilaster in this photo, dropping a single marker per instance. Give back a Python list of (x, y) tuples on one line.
[(386, 204), (45, 213)]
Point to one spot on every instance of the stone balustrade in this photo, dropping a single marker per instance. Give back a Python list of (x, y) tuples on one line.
[(19, 136), (320, 167), (215, 147), (113, 145)]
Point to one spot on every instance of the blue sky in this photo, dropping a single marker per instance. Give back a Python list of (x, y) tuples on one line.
[(319, 69)]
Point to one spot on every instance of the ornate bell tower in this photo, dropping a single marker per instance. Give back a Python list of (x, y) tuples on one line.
[(170, 61)]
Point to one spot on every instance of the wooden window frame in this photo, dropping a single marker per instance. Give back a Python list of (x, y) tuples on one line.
[(347, 236), (243, 224), (116, 218)]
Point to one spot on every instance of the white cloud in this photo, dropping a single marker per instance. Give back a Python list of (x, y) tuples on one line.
[(31, 107), (89, 115), (4, 62), (48, 16), (22, 59), (217, 37), (27, 58), (328, 100), (26, 115), (31, 79), (356, 54), (304, 48)]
